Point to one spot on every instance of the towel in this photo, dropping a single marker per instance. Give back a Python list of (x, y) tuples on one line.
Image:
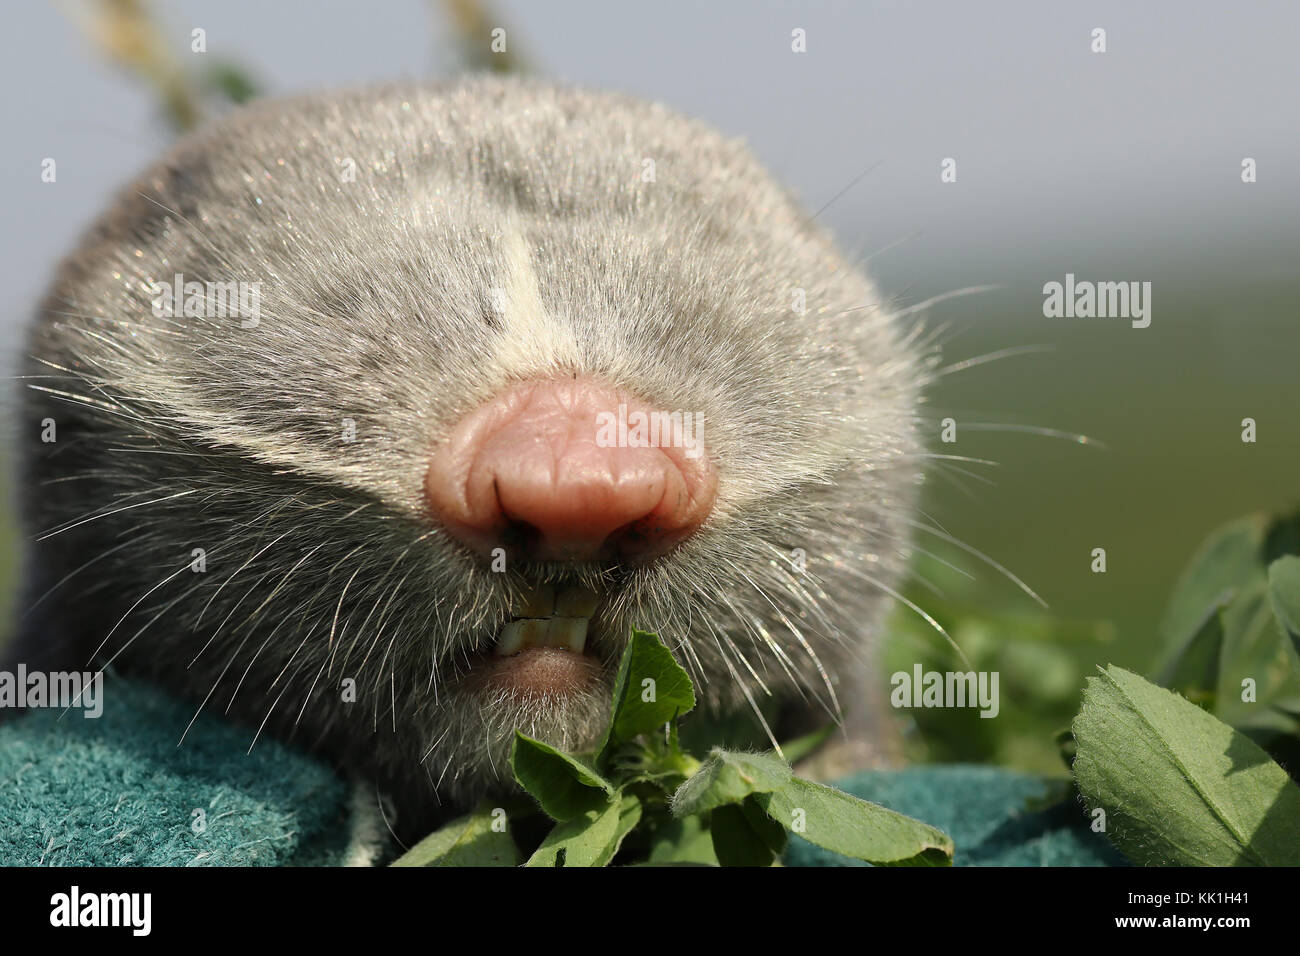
[(117, 790), (996, 817)]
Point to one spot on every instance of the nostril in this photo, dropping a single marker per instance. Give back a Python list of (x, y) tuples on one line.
[(528, 473), (520, 536), (635, 538)]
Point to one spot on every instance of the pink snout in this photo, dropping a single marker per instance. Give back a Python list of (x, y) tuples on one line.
[(545, 471)]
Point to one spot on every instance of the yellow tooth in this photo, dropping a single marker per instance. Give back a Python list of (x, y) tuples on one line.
[(576, 602), (567, 632), (536, 602), (518, 635), (510, 640)]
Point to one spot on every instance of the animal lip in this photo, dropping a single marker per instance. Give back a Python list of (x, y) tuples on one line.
[(547, 616)]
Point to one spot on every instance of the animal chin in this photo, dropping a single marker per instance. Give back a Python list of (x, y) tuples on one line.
[(542, 652)]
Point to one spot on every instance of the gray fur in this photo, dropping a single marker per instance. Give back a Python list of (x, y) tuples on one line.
[(183, 433)]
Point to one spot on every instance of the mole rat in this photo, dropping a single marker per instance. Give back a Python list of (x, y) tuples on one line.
[(375, 421)]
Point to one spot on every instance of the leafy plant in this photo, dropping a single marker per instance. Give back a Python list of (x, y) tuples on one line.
[(1179, 786), (1230, 638), (1041, 661), (1190, 775), (642, 798), (1175, 782)]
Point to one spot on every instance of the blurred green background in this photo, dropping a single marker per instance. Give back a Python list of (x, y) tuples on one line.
[(1167, 402)]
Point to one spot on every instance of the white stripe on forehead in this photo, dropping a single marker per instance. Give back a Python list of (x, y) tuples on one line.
[(535, 340)]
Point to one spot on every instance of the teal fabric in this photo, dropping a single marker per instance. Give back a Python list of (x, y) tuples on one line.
[(991, 814), (117, 791)]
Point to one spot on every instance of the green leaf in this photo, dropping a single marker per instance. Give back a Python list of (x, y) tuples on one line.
[(683, 841), (1229, 560), (1256, 647), (1178, 786), (591, 839), (474, 840), (729, 777), (562, 784), (1192, 666), (1282, 537), (773, 834), (842, 823), (1284, 595), (735, 840), (650, 690)]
